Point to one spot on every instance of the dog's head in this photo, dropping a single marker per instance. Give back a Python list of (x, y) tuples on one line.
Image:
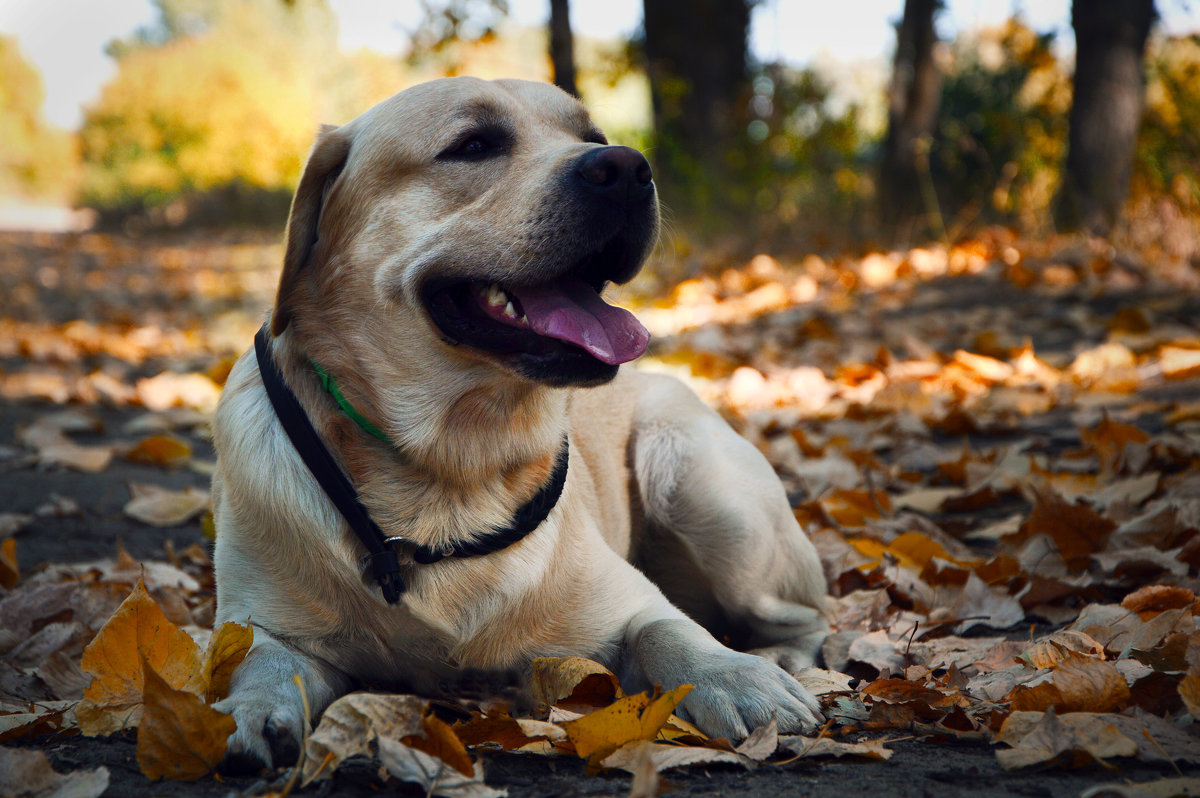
[(483, 218)]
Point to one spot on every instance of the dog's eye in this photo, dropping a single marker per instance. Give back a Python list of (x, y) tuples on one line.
[(475, 146)]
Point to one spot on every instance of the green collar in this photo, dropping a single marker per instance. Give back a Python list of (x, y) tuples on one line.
[(358, 418)]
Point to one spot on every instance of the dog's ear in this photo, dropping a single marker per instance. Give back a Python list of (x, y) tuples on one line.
[(325, 163)]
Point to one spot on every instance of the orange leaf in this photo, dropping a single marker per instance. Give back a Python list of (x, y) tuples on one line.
[(180, 737), (1079, 684), (160, 450), (1189, 691), (635, 717), (440, 741), (10, 573), (1150, 600), (497, 728), (1110, 439), (137, 631), (226, 650)]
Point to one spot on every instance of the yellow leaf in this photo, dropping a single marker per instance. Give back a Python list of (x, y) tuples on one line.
[(180, 737), (226, 650), (137, 630), (635, 717), (160, 450)]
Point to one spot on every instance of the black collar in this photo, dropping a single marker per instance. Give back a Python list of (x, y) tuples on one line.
[(382, 555)]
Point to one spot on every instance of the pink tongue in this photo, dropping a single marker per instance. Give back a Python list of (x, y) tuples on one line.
[(572, 311)]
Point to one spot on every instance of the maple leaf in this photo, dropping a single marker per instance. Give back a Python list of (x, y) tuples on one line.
[(137, 631), (635, 717), (179, 736)]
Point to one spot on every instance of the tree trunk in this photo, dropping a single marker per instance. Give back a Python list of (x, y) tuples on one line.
[(1106, 112), (914, 94), (699, 87), (562, 47)]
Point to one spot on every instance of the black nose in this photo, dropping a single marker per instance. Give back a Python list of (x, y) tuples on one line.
[(617, 171)]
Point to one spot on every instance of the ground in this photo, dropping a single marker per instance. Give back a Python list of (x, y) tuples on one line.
[(794, 355)]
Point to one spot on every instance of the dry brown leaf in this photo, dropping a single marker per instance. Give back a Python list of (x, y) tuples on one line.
[(1150, 600), (635, 717), (137, 631), (982, 605), (42, 717), (1159, 788), (439, 741), (1078, 684), (1047, 739), (1189, 690), (499, 729), (761, 743), (1076, 529), (572, 682), (160, 450), (432, 774), (179, 737), (158, 506), (807, 747), (354, 722), (226, 650), (27, 772), (631, 756), (1110, 439)]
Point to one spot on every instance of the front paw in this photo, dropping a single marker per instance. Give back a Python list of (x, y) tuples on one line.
[(736, 693), (269, 730)]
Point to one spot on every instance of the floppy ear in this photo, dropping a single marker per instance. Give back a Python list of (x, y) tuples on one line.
[(325, 163)]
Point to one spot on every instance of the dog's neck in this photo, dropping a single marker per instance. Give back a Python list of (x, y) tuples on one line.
[(461, 457)]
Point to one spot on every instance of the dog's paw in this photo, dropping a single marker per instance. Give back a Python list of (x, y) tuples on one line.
[(736, 693), (792, 659), (269, 731)]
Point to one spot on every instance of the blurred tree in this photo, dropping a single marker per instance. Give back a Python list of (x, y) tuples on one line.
[(914, 93), (562, 46), (699, 88), (36, 160), (1106, 112)]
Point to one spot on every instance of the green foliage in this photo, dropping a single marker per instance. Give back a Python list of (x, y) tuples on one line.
[(1168, 154), (1002, 128), (36, 161)]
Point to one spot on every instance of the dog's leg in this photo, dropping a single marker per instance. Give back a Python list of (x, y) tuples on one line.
[(265, 702), (733, 693), (715, 503)]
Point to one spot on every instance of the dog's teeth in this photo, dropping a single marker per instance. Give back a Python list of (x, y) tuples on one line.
[(510, 311), (496, 296), (525, 320)]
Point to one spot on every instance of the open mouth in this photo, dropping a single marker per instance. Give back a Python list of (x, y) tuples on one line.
[(560, 327)]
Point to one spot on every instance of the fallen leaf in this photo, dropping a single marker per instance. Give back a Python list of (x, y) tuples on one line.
[(761, 743), (228, 647), (631, 756), (807, 747), (1051, 741), (1078, 684), (158, 506), (42, 717), (10, 572), (160, 450), (1160, 788), (635, 717), (1150, 600), (26, 773), (1189, 690), (352, 724), (572, 682), (137, 631), (499, 729), (438, 740), (1076, 529), (179, 736), (982, 605), (431, 774)]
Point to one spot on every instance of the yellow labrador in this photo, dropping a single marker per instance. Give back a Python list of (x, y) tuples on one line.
[(439, 326)]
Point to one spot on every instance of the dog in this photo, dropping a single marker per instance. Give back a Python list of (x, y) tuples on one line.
[(438, 325)]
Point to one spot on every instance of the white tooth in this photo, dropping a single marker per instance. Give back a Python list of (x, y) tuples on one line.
[(525, 320), (510, 311)]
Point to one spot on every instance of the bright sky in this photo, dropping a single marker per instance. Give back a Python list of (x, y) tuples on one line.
[(65, 39)]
